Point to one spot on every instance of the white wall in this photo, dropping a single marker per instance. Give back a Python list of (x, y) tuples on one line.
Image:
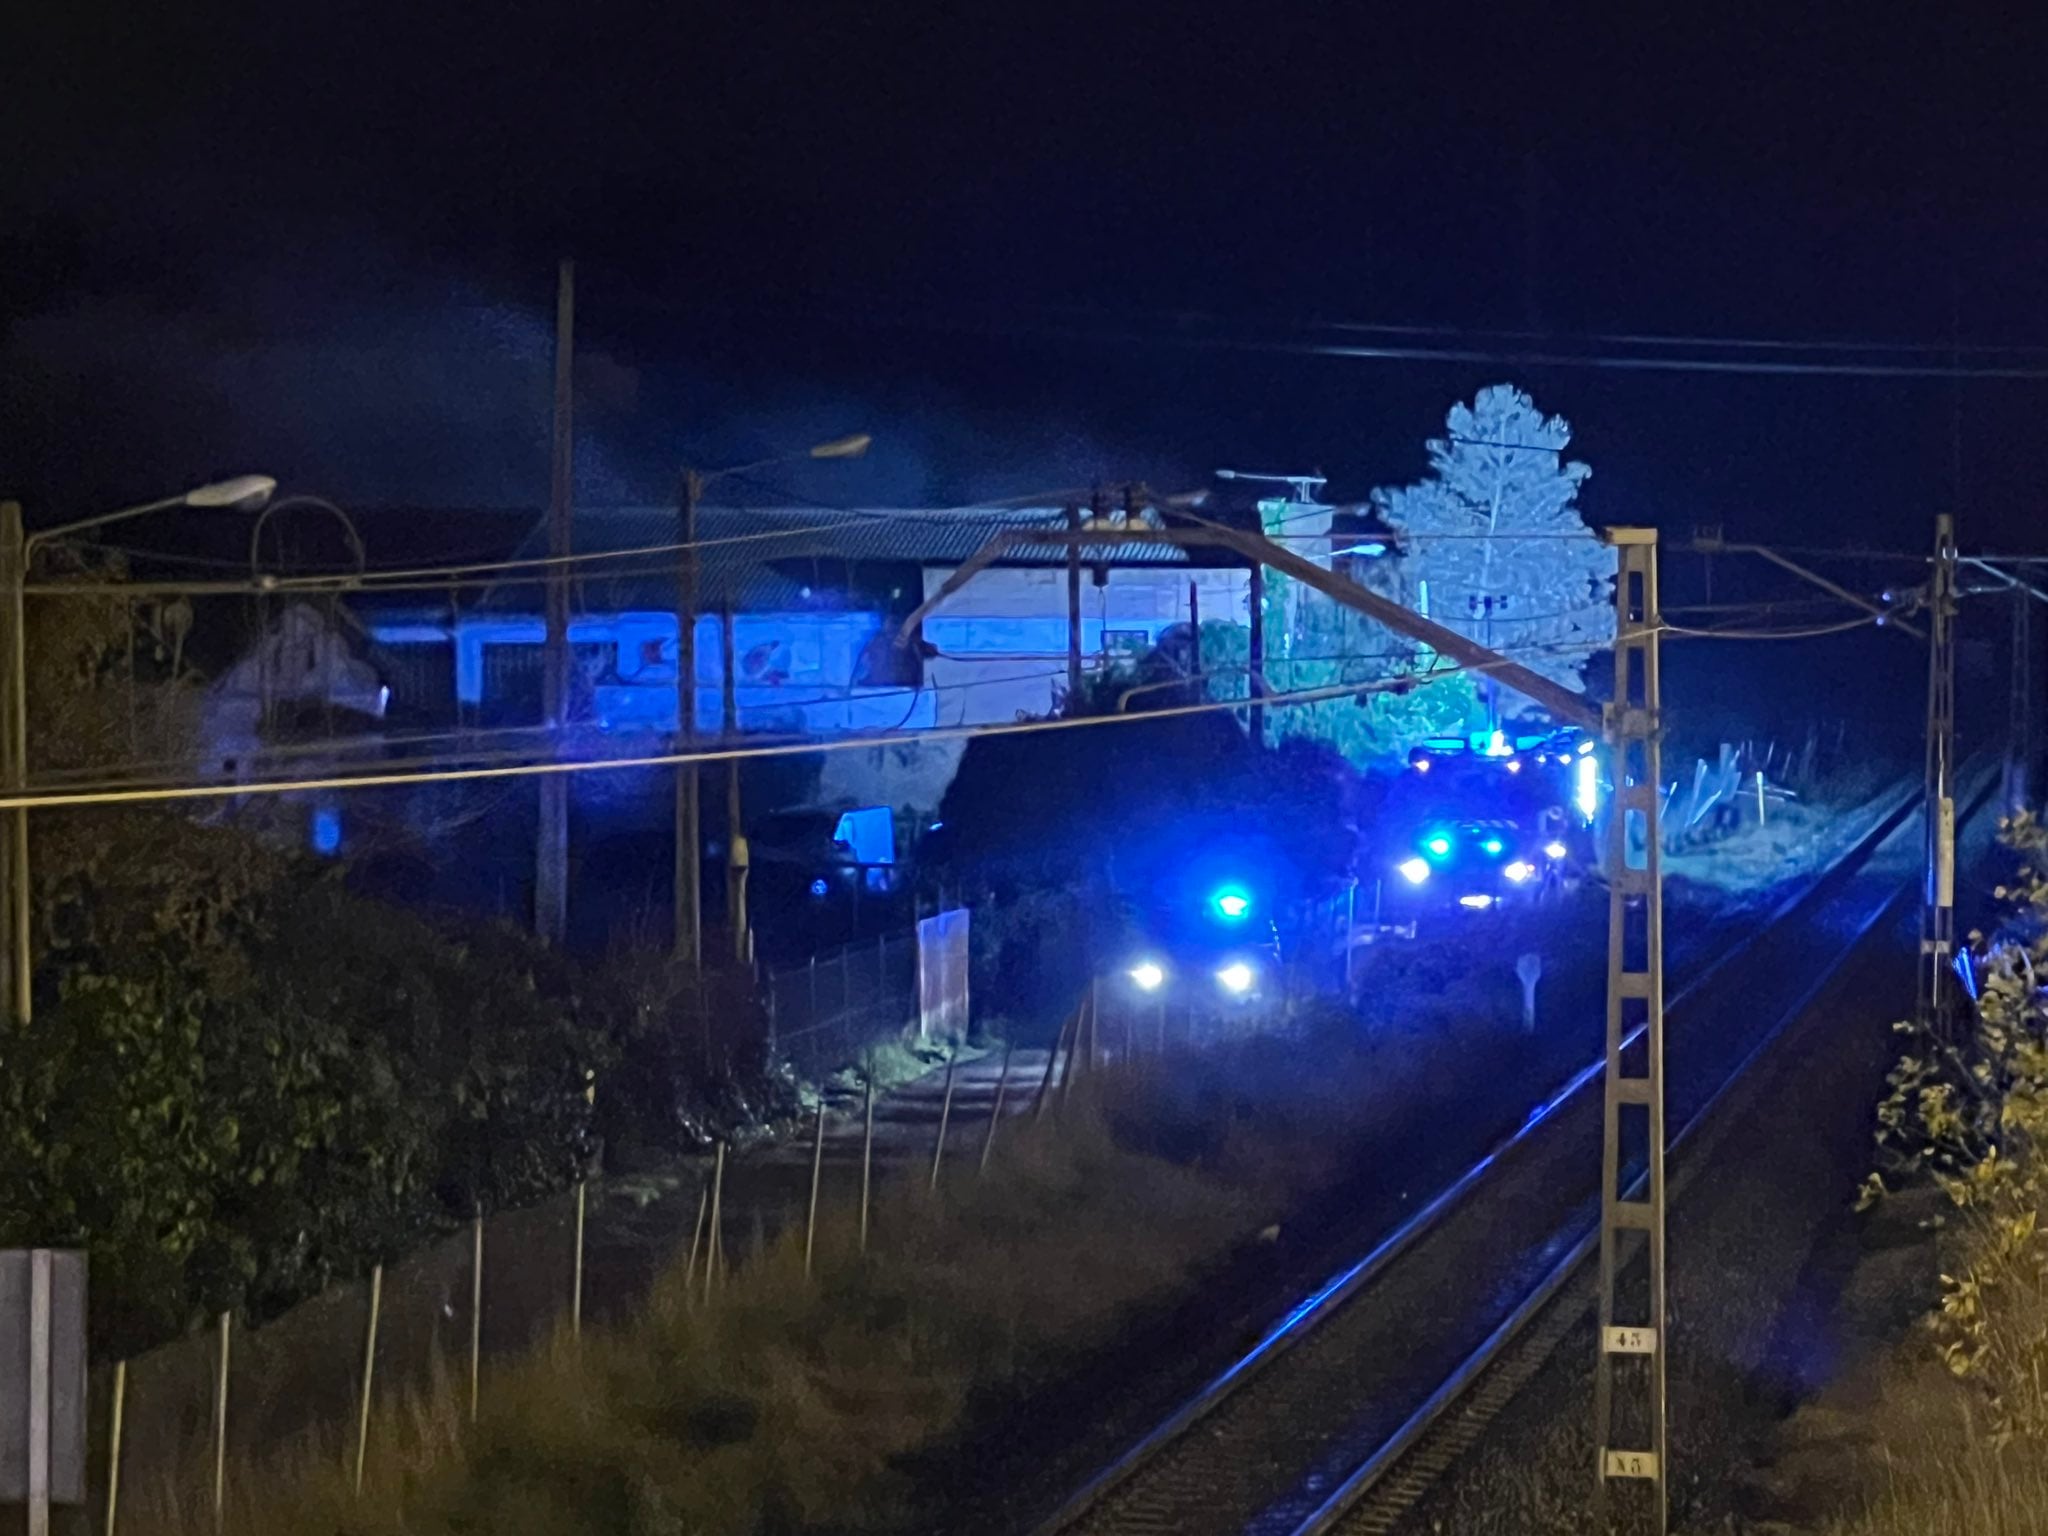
[(1004, 635)]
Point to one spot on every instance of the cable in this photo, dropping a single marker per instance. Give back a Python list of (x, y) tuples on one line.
[(721, 754), (1813, 632)]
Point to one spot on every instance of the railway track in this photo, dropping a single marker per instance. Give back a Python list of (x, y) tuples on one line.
[(1362, 1394)]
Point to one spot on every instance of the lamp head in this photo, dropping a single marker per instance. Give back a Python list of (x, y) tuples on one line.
[(244, 493), (843, 447)]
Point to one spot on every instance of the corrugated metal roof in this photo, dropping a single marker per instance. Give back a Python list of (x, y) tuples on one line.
[(789, 557)]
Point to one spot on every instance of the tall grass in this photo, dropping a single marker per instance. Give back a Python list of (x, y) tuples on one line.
[(789, 1402), (1974, 1491)]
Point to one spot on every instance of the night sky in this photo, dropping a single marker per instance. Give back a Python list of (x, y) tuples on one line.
[(1010, 241)]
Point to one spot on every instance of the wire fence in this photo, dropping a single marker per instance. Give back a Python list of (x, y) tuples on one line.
[(830, 1012)]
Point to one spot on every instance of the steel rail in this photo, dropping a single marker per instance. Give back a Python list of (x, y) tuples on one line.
[(1345, 1500), (1330, 1298)]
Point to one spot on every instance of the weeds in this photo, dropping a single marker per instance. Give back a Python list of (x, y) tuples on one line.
[(787, 1403)]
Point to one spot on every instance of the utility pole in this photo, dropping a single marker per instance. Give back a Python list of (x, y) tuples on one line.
[(551, 855), (689, 937), (2019, 748), (736, 853), (1073, 612), (1938, 908), (1635, 1002), (14, 764), (1255, 656)]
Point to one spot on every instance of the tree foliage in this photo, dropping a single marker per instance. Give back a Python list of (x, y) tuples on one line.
[(1972, 1117), (1496, 534), (1397, 705), (245, 1078)]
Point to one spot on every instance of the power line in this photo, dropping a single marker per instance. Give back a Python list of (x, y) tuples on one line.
[(165, 793), (83, 797)]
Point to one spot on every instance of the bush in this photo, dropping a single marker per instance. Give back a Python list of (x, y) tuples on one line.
[(245, 1081), (1974, 1119)]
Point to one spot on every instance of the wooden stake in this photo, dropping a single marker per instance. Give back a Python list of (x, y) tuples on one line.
[(817, 1167), (711, 1240), (696, 1236), (476, 1308), (369, 1373), (220, 1424), (945, 1115), (576, 1280), (1051, 1064), (114, 1443), (867, 1156), (996, 1115)]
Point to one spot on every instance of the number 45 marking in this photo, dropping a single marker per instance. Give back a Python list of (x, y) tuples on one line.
[(1631, 1341)]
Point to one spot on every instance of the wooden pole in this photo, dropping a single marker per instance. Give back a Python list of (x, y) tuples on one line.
[(817, 1168), (945, 1115), (1255, 680), (1073, 614), (995, 1115), (689, 916), (369, 1373), (114, 1443), (736, 852), (551, 862)]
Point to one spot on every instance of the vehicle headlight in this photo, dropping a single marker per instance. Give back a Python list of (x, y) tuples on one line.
[(1414, 871), (1237, 977), (1519, 871), (1149, 975), (1555, 850)]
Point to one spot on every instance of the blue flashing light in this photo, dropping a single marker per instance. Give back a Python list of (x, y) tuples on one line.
[(326, 831), (1231, 902), (1586, 788), (1437, 846), (1493, 845), (820, 888)]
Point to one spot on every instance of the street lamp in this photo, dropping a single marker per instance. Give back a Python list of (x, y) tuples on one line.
[(243, 493), (689, 921)]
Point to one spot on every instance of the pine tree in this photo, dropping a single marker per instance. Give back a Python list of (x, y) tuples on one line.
[(1493, 543)]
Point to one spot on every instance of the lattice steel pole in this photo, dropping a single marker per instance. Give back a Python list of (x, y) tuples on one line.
[(1632, 1184), (1938, 908)]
